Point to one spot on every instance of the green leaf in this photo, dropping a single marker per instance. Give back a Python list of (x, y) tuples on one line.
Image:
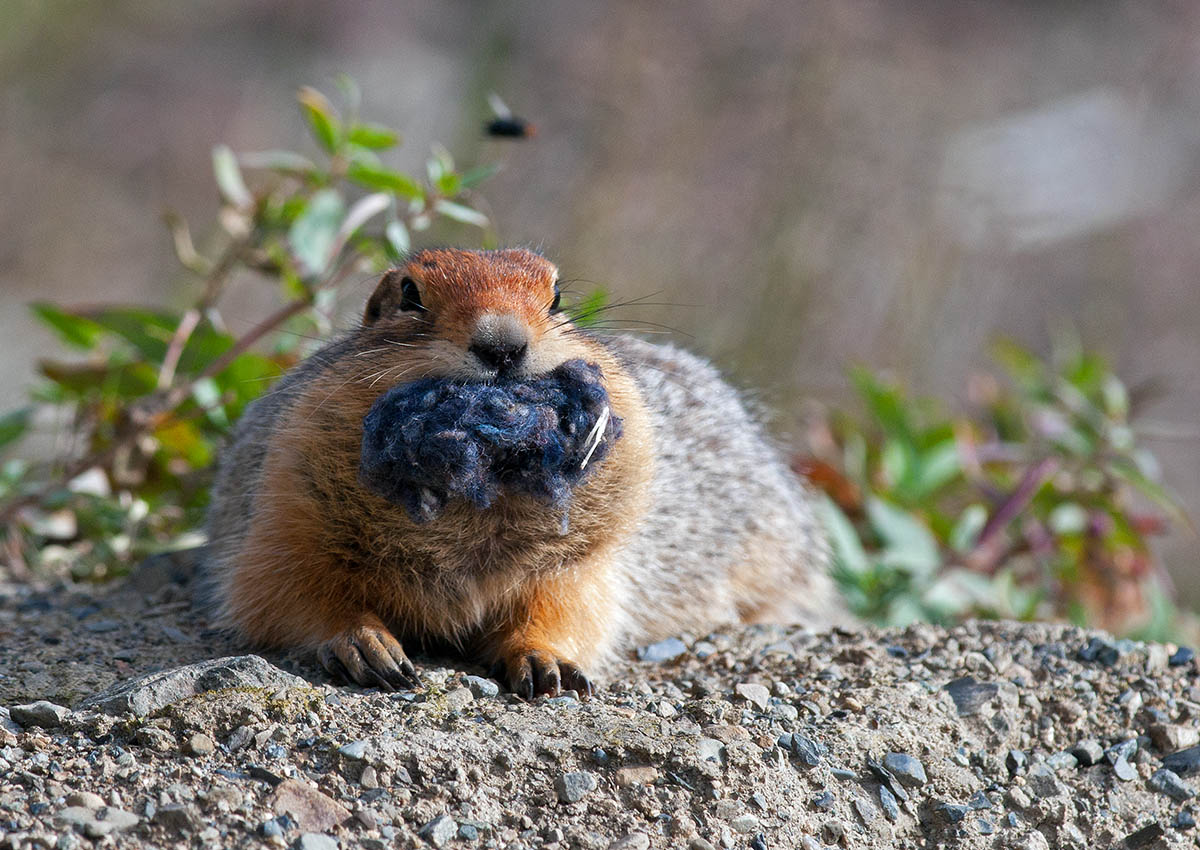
[(908, 543), (439, 164), (148, 331), (449, 184), (966, 530), (458, 212), (322, 118), (386, 180), (313, 234), (287, 162), (848, 551), (476, 175), (398, 241), (886, 404), (374, 136), (73, 329), (936, 468), (14, 425), (364, 210), (1128, 472), (229, 178)]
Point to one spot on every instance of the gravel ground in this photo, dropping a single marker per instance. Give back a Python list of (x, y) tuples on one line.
[(997, 735)]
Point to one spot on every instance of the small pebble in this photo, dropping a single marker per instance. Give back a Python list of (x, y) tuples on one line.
[(823, 801), (1145, 836), (439, 831), (1168, 782), (482, 688), (354, 750), (47, 715), (1088, 752), (573, 787), (663, 651), (889, 804), (906, 768), (1180, 657), (757, 695), (1124, 770), (808, 751), (318, 841), (1184, 820), (199, 745), (1015, 761)]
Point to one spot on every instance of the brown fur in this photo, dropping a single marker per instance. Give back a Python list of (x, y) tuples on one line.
[(690, 522), (324, 559)]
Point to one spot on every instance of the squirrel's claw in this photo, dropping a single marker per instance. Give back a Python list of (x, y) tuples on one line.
[(539, 673), (369, 656)]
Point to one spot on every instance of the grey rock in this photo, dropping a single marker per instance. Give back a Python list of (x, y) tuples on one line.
[(47, 715), (756, 695), (1015, 761), (889, 804), (149, 693), (317, 841), (971, 695), (482, 688), (1124, 770), (906, 768), (710, 749), (950, 813), (664, 650), (458, 699), (744, 824), (1183, 762), (632, 841), (1099, 650), (1122, 750), (1062, 761), (1087, 752), (1042, 781), (178, 817), (1145, 836), (808, 751), (440, 831), (355, 750), (1170, 737), (1168, 782), (1183, 655), (573, 787)]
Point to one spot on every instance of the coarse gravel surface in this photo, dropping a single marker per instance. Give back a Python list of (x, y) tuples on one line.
[(124, 723)]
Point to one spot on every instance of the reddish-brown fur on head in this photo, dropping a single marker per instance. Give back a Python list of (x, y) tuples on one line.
[(469, 304)]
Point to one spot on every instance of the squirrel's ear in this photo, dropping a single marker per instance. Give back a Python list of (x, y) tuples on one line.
[(386, 298)]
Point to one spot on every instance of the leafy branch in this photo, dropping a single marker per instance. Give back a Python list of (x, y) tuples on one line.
[(147, 408)]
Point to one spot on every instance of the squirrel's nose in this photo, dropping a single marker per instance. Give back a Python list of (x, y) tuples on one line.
[(501, 355)]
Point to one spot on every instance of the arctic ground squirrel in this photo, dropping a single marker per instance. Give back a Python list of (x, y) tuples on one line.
[(693, 520)]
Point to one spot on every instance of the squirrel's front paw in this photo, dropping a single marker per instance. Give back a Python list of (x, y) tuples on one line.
[(369, 655), (535, 672)]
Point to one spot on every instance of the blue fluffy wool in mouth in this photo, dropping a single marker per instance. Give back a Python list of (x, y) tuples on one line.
[(434, 440)]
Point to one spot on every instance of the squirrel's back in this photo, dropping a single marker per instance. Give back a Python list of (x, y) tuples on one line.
[(730, 534)]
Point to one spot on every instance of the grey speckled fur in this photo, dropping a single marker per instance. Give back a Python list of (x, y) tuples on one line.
[(721, 491), (720, 488)]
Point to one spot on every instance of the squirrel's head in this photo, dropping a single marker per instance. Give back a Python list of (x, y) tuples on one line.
[(475, 315)]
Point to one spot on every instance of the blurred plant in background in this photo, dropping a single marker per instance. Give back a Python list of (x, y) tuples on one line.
[(1038, 504), (138, 422)]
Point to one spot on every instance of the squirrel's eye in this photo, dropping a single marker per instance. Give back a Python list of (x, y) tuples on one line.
[(410, 297), (557, 298)]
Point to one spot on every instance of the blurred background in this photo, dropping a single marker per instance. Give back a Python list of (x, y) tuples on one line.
[(797, 187)]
